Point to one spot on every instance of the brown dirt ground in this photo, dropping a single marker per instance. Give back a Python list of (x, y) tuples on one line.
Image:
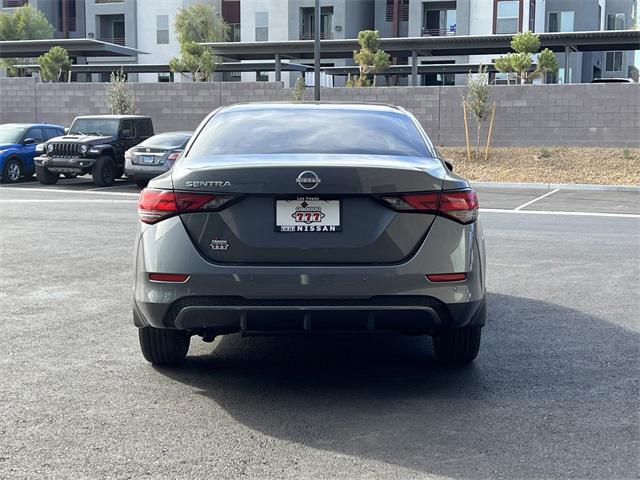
[(612, 166)]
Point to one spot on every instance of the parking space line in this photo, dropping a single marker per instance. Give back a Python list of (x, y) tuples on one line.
[(555, 212), (55, 190), (112, 186), (536, 199)]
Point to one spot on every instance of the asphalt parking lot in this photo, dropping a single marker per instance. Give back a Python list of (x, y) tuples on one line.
[(553, 393)]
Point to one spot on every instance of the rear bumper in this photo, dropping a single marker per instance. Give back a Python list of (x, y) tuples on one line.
[(141, 172), (231, 298), (402, 314)]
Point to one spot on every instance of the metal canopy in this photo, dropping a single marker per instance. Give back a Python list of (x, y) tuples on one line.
[(164, 68), (430, 46), (76, 47), (421, 69)]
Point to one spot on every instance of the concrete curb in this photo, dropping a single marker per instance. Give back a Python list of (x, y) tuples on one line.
[(561, 186)]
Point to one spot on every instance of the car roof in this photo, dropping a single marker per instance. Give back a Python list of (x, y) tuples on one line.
[(354, 106), (174, 133), (33, 125), (114, 117)]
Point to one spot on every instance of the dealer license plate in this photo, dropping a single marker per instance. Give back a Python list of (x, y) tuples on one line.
[(308, 214)]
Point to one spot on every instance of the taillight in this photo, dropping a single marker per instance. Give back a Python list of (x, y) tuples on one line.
[(169, 277), (127, 155), (173, 156), (155, 205), (458, 205)]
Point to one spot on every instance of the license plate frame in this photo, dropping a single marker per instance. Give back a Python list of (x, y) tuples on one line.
[(148, 159), (285, 208)]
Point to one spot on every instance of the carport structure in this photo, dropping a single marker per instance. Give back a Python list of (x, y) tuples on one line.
[(413, 47), (165, 68), (75, 47)]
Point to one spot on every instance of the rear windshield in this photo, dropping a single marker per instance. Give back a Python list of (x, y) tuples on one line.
[(292, 131), (166, 140)]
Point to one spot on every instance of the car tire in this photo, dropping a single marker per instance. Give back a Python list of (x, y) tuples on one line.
[(104, 171), (12, 171), (142, 183), (46, 177), (457, 346), (163, 347)]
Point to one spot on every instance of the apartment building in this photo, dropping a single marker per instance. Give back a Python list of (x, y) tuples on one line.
[(148, 26), (66, 16), (585, 15)]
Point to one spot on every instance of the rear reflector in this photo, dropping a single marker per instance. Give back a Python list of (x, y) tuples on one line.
[(168, 277), (155, 205), (459, 205), (447, 277)]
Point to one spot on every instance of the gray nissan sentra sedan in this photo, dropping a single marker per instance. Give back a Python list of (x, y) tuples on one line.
[(285, 218)]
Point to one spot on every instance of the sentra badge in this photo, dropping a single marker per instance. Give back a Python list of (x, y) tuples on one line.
[(208, 183)]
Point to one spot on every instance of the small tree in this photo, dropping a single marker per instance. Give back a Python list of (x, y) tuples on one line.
[(120, 96), (300, 89), (54, 63), (519, 63), (370, 58), (477, 102), (196, 24), (24, 23)]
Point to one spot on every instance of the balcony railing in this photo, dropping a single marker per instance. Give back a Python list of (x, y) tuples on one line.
[(438, 32), (116, 40), (14, 3), (310, 36)]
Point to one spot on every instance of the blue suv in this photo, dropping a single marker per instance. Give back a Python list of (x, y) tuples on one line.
[(18, 148)]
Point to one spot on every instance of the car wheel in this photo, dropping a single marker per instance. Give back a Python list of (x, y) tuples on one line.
[(70, 176), (142, 183), (163, 346), (104, 172), (46, 177), (457, 346), (12, 171)]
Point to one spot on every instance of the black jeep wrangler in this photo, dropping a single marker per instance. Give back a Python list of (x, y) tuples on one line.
[(93, 145)]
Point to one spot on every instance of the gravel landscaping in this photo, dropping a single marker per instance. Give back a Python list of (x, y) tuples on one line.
[(608, 166)]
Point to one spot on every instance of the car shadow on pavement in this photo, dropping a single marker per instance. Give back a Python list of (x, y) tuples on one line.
[(552, 394)]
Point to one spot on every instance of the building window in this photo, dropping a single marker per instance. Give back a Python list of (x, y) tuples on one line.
[(162, 29), (165, 77), (561, 21), (262, 26), (403, 10), (559, 77), (507, 18), (437, 22), (231, 77), (616, 21), (307, 23), (262, 77), (14, 3), (613, 62), (532, 16), (234, 32)]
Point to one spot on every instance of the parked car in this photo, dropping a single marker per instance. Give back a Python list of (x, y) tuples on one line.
[(18, 148), (154, 156), (612, 80), (294, 217), (93, 145)]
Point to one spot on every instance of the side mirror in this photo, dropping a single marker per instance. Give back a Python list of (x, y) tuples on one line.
[(28, 141), (449, 165), (126, 133), (66, 130)]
